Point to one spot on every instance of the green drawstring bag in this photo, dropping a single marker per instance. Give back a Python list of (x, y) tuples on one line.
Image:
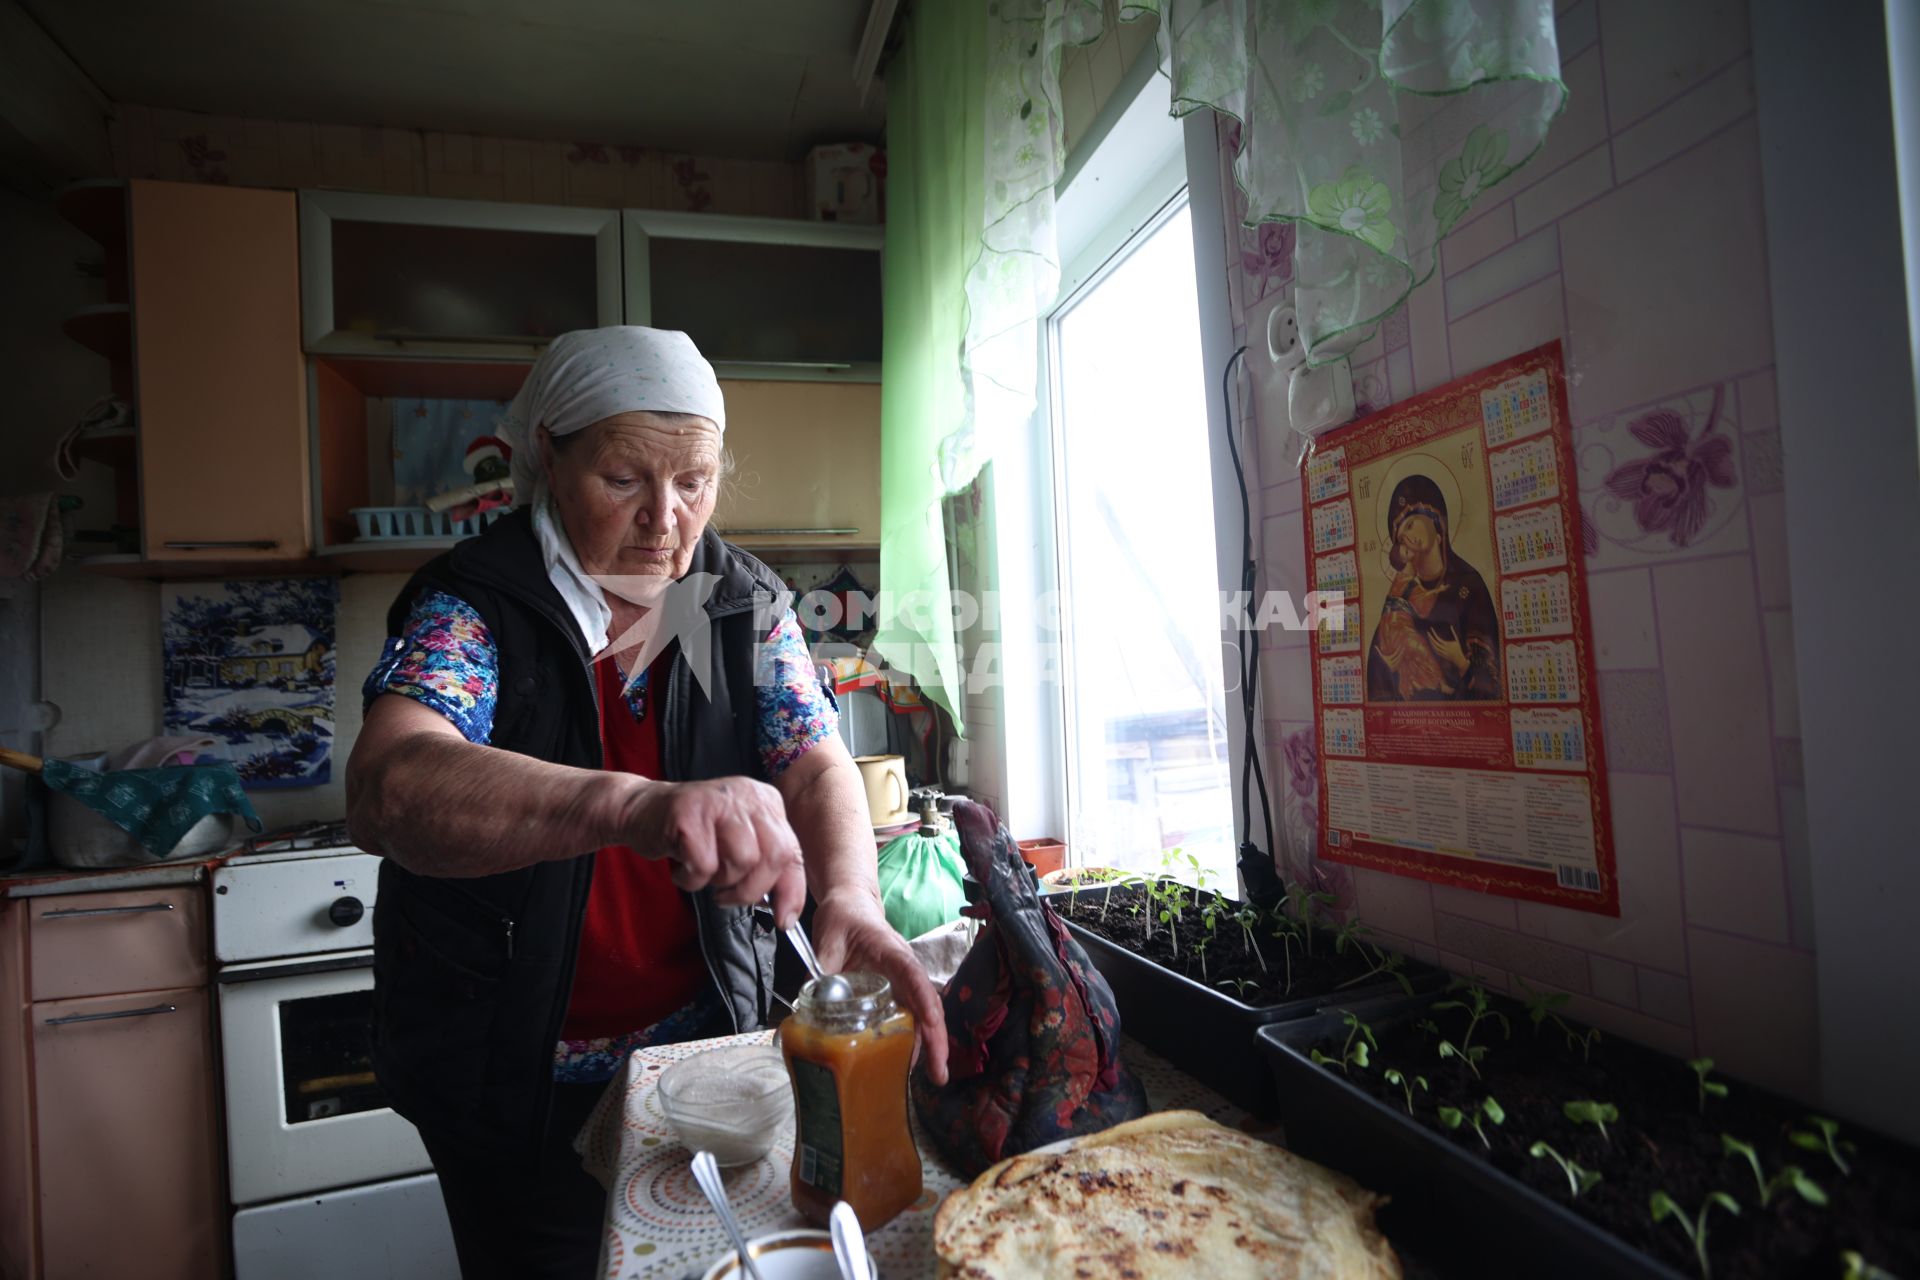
[(920, 881)]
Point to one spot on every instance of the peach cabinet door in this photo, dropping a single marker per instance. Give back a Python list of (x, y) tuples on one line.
[(807, 456), (91, 944), (220, 378), (127, 1153)]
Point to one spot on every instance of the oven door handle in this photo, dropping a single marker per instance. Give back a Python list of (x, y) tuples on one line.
[(102, 1017), (74, 913)]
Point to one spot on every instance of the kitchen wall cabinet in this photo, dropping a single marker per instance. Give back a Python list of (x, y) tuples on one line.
[(773, 298), (418, 276), (220, 383), (109, 1123), (807, 465)]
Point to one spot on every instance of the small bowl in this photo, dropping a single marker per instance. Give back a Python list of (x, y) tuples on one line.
[(782, 1255), (733, 1102)]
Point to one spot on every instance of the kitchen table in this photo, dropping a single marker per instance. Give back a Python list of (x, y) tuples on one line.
[(658, 1225)]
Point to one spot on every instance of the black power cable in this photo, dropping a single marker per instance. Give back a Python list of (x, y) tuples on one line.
[(1264, 886)]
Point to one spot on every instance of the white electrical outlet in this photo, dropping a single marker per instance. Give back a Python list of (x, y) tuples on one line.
[(1284, 348), (1321, 397)]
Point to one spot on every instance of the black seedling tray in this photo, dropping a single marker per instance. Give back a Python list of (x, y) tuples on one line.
[(1209, 1034), (1447, 1205)]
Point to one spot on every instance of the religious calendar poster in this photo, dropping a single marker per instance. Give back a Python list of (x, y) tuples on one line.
[(1455, 703)]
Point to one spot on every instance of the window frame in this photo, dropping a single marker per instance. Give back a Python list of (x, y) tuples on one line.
[(1123, 178)]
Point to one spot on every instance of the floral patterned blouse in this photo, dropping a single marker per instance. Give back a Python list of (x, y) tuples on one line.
[(445, 658)]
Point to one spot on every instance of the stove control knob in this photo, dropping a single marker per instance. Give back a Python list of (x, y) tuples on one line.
[(346, 912)]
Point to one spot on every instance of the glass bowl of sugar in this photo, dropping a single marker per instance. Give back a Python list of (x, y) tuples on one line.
[(733, 1102)]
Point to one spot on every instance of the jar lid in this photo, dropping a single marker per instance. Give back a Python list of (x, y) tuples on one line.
[(846, 998)]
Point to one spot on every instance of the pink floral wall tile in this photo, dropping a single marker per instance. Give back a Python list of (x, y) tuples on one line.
[(1664, 480)]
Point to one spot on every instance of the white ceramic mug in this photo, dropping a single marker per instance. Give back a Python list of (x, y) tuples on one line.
[(885, 778)]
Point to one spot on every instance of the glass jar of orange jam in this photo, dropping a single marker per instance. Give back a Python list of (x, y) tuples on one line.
[(848, 1057)]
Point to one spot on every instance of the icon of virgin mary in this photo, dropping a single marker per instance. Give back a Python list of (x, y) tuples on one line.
[(1439, 634)]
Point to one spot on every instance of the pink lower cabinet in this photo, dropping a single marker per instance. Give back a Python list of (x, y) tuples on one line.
[(109, 1119), (125, 1110)]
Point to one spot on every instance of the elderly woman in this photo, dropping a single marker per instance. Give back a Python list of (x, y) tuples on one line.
[(590, 746)]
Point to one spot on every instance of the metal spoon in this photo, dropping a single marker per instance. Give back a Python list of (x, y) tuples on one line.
[(834, 987), (849, 1244), (706, 1174)]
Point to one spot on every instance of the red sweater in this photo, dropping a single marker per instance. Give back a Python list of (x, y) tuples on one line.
[(639, 952)]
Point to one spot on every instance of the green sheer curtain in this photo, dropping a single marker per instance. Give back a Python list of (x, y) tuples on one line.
[(1374, 126), (936, 93)]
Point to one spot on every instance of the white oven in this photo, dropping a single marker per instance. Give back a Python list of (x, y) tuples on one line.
[(303, 1110), (326, 1179)]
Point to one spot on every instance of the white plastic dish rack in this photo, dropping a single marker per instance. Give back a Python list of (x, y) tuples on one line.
[(387, 524)]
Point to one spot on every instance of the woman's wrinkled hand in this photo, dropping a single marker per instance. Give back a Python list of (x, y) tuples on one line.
[(850, 932), (729, 835)]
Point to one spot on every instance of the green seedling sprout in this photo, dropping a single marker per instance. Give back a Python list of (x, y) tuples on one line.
[(1240, 985), (1303, 901), (1597, 1114), (1664, 1206), (1708, 1088), (1349, 934), (1789, 1178), (1355, 1050), (1827, 1140), (1447, 1049), (1406, 1083), (1478, 1008), (1388, 964), (1247, 916), (1454, 1117), (1578, 1180), (1288, 936), (1858, 1268), (1199, 948), (1541, 1006)]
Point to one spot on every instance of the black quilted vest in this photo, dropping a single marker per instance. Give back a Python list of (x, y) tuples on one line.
[(472, 976)]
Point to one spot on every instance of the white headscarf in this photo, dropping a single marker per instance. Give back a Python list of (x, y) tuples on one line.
[(582, 378), (591, 374)]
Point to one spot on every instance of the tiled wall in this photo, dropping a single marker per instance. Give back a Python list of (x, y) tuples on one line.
[(182, 146), (1636, 237)]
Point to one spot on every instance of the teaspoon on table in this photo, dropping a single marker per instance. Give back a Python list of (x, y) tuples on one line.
[(849, 1243), (706, 1175)]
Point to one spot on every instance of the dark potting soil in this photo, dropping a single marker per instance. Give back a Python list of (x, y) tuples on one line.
[(1277, 974), (1664, 1140)]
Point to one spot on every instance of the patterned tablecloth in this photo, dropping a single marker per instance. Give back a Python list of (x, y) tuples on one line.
[(659, 1226)]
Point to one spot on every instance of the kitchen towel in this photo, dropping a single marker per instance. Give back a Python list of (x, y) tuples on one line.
[(30, 536)]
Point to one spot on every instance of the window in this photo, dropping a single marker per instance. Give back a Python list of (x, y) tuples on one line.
[(1147, 765)]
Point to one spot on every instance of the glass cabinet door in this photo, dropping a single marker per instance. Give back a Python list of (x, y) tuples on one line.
[(761, 297), (386, 275)]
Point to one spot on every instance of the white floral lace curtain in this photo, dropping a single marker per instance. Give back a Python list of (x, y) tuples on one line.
[(1373, 126)]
